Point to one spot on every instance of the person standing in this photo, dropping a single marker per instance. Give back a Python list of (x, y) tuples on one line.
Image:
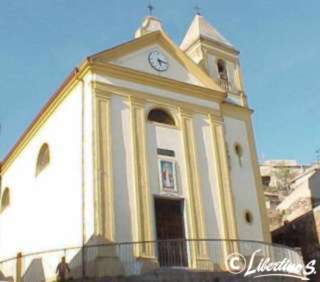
[(62, 270)]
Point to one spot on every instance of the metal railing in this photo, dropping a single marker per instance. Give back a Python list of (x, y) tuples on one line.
[(224, 84), (135, 258)]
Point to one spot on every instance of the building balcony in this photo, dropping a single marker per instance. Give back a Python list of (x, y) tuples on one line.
[(139, 260)]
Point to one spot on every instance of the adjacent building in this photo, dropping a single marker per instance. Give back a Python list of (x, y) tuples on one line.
[(299, 213), (277, 174), (277, 177), (305, 194)]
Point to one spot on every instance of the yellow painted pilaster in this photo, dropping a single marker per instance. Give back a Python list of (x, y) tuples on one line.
[(141, 178), (19, 268), (196, 223), (104, 208), (225, 197), (223, 178)]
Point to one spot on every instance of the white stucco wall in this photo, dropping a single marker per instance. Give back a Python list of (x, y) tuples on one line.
[(170, 138), (61, 181), (44, 211), (242, 180), (122, 169), (88, 159), (164, 137), (206, 168)]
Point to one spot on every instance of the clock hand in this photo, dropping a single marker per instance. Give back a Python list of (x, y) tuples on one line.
[(161, 61)]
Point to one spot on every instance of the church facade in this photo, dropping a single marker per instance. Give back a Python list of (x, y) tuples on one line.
[(144, 141)]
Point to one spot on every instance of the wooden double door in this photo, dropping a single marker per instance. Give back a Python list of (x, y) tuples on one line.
[(172, 249)]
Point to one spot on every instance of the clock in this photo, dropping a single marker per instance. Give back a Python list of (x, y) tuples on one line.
[(158, 61)]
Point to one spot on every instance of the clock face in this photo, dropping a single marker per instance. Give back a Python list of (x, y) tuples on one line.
[(158, 61)]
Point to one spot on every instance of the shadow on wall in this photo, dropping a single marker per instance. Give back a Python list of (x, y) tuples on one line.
[(3, 278), (98, 253), (35, 272)]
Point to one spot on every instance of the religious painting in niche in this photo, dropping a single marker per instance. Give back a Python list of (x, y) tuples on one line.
[(167, 171)]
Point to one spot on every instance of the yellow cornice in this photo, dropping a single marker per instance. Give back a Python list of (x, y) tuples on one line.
[(220, 45), (236, 111), (195, 69), (164, 41), (126, 48), (55, 100), (157, 81), (151, 98), (213, 44)]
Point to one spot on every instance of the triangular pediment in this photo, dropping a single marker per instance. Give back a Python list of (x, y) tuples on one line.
[(135, 55)]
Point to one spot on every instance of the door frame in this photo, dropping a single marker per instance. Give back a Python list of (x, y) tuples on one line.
[(182, 207), (183, 215)]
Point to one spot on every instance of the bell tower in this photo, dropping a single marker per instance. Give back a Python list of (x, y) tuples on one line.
[(216, 55)]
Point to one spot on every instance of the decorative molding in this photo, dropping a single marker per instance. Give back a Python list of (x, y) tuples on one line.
[(169, 109), (210, 43), (164, 41), (162, 102), (196, 228), (213, 50), (143, 220), (103, 184), (243, 98), (161, 82), (223, 182), (236, 111)]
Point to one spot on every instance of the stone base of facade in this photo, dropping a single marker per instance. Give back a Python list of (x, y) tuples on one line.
[(204, 264), (148, 264), (184, 275), (108, 266)]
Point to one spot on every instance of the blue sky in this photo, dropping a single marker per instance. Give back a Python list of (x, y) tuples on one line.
[(41, 41)]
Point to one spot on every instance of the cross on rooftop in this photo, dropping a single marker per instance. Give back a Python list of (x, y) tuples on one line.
[(150, 8), (198, 10)]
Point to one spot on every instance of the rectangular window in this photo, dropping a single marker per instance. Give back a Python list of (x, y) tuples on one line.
[(165, 152)]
